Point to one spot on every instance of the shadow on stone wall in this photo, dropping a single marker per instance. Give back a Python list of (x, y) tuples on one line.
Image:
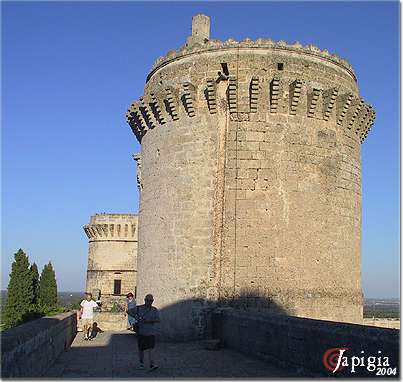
[(305, 344), (259, 327), (191, 319)]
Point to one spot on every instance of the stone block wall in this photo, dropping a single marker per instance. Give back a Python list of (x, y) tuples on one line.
[(108, 321), (111, 321), (300, 343), (28, 350), (392, 323), (176, 214)]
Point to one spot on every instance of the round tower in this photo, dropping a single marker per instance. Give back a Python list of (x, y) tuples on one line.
[(250, 180), (112, 255)]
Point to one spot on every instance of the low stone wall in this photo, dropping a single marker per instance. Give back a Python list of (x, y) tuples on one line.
[(29, 349), (108, 321), (301, 344), (383, 322)]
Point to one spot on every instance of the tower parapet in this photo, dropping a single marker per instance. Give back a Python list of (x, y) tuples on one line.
[(114, 227), (278, 67), (251, 151)]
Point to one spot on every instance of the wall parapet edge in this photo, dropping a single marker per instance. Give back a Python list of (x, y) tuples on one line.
[(28, 350), (300, 343), (260, 43)]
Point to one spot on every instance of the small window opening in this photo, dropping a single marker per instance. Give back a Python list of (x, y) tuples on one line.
[(280, 66), (117, 286), (224, 67)]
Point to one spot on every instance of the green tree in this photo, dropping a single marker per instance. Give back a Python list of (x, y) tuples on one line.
[(48, 288), (35, 283), (20, 291)]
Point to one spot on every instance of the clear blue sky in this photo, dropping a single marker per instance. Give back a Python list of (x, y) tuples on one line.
[(70, 70)]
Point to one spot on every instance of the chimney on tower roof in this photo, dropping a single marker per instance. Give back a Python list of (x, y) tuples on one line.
[(200, 30)]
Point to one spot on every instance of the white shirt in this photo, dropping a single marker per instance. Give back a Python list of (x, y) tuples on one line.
[(88, 308)]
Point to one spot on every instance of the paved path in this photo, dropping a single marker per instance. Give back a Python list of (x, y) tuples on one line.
[(114, 355)]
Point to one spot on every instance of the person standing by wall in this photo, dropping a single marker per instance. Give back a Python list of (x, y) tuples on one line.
[(87, 315), (147, 317), (130, 310)]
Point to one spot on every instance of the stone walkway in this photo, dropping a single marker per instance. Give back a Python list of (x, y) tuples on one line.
[(114, 355)]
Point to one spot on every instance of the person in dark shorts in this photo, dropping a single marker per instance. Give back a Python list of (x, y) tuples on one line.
[(147, 317)]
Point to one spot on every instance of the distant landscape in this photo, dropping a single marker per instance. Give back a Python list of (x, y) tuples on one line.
[(373, 307), (382, 308), (69, 300)]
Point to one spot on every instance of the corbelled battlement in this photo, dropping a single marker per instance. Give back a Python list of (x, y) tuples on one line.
[(260, 77), (112, 227), (174, 103)]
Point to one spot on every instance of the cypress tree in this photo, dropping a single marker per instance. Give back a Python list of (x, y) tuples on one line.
[(48, 287), (35, 283), (19, 291)]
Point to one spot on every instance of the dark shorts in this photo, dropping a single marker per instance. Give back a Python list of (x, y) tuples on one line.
[(145, 342)]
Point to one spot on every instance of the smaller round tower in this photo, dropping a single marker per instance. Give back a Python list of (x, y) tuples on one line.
[(112, 255)]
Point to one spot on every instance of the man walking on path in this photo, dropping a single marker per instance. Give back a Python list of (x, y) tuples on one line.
[(147, 317), (87, 315)]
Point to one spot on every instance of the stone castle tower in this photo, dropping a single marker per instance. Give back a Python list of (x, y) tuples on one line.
[(250, 180), (112, 256)]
